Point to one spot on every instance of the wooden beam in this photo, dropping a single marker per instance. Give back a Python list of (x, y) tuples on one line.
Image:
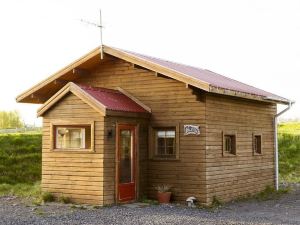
[(81, 72), (59, 81), (135, 66)]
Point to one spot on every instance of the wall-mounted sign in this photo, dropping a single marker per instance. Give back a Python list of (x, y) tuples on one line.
[(191, 129)]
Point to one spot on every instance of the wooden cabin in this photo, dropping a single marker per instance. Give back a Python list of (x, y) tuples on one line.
[(113, 128)]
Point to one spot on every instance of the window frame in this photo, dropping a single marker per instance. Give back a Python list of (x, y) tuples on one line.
[(224, 152), (68, 123), (153, 141), (255, 153)]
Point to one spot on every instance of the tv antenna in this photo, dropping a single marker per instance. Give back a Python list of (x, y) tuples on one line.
[(100, 26)]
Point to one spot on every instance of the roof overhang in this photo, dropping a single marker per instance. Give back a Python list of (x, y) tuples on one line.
[(42, 92), (92, 102), (73, 88)]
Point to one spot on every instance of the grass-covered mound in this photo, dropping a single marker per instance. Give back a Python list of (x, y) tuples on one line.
[(20, 158), (289, 151)]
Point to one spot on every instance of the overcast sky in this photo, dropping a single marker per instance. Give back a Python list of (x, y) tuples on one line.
[(256, 42)]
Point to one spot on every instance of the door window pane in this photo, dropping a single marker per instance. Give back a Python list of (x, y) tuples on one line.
[(125, 156)]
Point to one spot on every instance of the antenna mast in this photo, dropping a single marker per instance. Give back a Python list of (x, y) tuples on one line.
[(100, 26), (101, 41)]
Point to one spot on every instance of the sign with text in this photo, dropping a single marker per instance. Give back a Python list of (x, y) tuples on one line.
[(191, 129)]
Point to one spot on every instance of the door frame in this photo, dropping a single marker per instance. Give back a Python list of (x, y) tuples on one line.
[(136, 164)]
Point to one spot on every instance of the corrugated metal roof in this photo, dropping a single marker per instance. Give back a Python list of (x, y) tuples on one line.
[(113, 99), (214, 79)]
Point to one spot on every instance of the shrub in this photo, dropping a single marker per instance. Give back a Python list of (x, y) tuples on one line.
[(216, 202), (48, 197), (64, 199)]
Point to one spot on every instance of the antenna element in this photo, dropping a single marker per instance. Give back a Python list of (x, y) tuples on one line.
[(100, 26)]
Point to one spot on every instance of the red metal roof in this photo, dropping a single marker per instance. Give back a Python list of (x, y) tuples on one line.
[(212, 78), (113, 99)]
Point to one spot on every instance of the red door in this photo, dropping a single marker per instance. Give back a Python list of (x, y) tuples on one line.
[(126, 163)]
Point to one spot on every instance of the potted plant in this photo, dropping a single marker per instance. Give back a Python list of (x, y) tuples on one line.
[(163, 193)]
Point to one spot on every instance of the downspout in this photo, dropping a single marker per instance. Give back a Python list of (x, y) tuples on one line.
[(276, 144)]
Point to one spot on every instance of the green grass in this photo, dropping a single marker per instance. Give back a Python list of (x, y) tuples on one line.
[(289, 151), (20, 165), (270, 193), (289, 128), (20, 158), (21, 190)]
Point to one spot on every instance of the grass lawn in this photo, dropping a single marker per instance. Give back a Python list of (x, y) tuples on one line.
[(20, 164)]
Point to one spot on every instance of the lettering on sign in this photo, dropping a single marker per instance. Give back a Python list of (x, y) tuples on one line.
[(191, 129)]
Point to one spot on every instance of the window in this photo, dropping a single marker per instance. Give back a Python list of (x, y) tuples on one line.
[(257, 144), (164, 142), (229, 144), (72, 136)]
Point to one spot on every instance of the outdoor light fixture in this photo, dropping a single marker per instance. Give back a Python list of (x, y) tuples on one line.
[(109, 133)]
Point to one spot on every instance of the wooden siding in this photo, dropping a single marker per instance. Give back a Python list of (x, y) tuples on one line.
[(201, 169), (171, 102), (230, 177), (78, 175)]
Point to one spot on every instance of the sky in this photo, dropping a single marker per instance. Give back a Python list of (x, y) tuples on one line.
[(253, 41)]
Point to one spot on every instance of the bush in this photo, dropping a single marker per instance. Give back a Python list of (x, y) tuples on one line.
[(48, 197), (64, 199)]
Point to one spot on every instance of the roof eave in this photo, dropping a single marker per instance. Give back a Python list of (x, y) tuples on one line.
[(73, 88), (20, 98), (228, 92)]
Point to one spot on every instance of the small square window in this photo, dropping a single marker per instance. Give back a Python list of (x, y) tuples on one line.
[(229, 144), (257, 144), (164, 142)]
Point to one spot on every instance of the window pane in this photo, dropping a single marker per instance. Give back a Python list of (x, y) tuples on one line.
[(170, 150), (170, 133), (125, 156), (257, 144), (73, 137), (229, 144), (161, 134)]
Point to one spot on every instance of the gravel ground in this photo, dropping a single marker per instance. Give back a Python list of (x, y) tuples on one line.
[(285, 210)]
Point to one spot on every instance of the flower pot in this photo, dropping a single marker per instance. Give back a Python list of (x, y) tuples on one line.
[(163, 197)]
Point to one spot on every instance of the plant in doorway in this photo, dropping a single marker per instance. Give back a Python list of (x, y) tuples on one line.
[(163, 193)]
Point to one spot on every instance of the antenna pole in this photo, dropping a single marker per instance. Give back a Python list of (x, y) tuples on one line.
[(101, 41), (100, 26)]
